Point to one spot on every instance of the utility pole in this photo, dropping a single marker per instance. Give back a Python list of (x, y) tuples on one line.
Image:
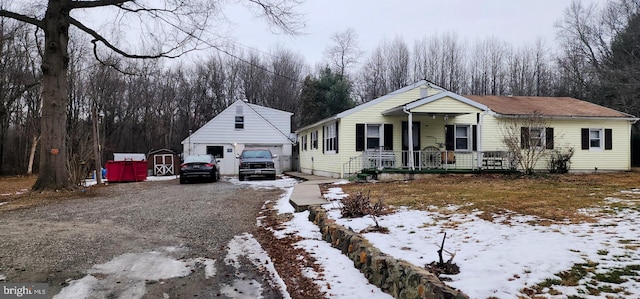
[(96, 144)]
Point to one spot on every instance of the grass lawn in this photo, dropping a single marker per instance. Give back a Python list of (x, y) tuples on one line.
[(555, 198)]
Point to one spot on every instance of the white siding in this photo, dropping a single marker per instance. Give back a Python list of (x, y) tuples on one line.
[(567, 134), (263, 127)]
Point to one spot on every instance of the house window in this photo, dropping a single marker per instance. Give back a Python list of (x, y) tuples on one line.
[(331, 137), (303, 141), (239, 122), (314, 139), (374, 137), (536, 137), (462, 137), (595, 139)]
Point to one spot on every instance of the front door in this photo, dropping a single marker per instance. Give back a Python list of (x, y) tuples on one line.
[(416, 143)]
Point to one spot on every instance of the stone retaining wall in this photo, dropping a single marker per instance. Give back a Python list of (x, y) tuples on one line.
[(396, 277)]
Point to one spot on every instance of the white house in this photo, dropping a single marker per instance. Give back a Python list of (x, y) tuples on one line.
[(244, 125)]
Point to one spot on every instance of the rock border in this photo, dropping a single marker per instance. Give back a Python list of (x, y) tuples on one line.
[(396, 277)]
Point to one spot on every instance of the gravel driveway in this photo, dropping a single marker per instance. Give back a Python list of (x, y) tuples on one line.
[(175, 236)]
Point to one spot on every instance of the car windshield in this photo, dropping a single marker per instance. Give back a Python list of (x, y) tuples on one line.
[(257, 154), (198, 159)]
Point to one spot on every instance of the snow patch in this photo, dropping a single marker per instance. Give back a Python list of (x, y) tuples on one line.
[(126, 275), (246, 245)]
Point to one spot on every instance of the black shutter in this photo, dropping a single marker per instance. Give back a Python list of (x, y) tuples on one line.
[(388, 136), (324, 132), (525, 138), (416, 144), (585, 138), (337, 138), (549, 138), (359, 137), (608, 142), (474, 137), (449, 139)]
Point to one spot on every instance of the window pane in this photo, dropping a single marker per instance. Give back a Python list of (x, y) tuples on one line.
[(373, 131), (461, 131), (462, 144), (594, 134), (373, 143), (595, 142)]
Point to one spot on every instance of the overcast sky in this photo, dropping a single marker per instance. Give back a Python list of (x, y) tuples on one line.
[(517, 22)]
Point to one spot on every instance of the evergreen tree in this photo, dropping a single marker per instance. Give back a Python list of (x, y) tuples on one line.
[(324, 96), (620, 78)]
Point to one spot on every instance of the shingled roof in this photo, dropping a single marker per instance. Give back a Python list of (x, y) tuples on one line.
[(547, 106)]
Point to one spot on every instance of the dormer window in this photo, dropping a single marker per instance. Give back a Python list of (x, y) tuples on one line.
[(239, 118), (239, 122)]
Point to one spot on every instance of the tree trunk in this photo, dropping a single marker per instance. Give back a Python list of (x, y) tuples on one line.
[(32, 154), (53, 157)]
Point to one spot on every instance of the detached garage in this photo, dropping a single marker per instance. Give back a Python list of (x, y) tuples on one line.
[(243, 125)]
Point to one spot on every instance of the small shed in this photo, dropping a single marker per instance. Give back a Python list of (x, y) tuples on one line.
[(163, 162)]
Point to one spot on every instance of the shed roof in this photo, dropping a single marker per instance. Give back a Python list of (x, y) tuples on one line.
[(547, 106)]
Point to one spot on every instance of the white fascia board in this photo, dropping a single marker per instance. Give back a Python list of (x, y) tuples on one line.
[(368, 104), (441, 95)]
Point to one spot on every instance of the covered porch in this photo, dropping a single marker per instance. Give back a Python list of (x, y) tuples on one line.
[(428, 159), (442, 132)]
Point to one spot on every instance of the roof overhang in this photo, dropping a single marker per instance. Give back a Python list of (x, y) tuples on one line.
[(403, 109), (564, 117)]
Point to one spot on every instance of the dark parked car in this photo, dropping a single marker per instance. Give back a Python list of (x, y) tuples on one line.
[(256, 162), (199, 166)]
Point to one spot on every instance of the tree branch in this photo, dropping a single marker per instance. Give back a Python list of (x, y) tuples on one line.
[(96, 3), (99, 38), (22, 18)]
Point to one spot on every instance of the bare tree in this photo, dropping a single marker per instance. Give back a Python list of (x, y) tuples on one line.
[(373, 78), (253, 76), (527, 139), (487, 67), (343, 54), (398, 57), (17, 76), (167, 28), (285, 81), (453, 71)]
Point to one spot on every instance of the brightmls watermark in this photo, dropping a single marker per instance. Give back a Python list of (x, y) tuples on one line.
[(24, 290)]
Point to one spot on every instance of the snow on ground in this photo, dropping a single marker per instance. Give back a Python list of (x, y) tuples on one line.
[(126, 275), (340, 279), (246, 245), (284, 182), (497, 258), (501, 257)]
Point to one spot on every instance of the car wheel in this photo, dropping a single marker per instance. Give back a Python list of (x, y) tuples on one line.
[(273, 177), (214, 176), (182, 180), (241, 177)]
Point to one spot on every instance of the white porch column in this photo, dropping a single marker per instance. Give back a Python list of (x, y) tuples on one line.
[(410, 133), (480, 148)]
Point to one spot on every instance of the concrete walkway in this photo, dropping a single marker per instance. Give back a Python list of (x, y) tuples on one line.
[(307, 193)]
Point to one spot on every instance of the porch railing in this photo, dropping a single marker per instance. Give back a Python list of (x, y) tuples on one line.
[(429, 158)]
